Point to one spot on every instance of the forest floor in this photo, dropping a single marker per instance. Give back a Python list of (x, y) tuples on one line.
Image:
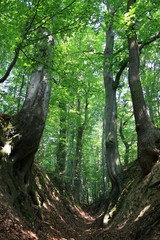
[(135, 217)]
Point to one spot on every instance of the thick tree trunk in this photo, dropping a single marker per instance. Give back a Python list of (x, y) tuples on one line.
[(110, 117), (148, 135), (23, 141)]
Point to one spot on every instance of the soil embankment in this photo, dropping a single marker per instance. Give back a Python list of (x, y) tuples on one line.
[(135, 217)]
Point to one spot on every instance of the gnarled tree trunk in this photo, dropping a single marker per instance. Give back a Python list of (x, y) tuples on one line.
[(23, 141), (24, 132), (148, 135)]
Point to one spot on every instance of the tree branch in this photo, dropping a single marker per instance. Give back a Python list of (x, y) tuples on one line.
[(39, 62), (11, 64), (152, 39), (45, 19), (19, 48), (31, 22), (119, 73), (125, 62)]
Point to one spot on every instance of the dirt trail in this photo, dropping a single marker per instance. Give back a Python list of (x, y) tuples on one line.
[(60, 221), (137, 215)]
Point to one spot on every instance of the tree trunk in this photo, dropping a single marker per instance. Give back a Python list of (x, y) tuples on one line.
[(126, 144), (61, 156), (20, 92), (148, 135), (124, 140), (110, 117), (23, 141), (77, 177), (72, 166), (106, 188)]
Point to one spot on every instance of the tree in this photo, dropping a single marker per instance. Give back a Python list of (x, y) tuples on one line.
[(75, 71), (23, 140), (20, 143), (78, 162), (61, 154), (124, 120), (149, 71), (148, 134), (110, 113)]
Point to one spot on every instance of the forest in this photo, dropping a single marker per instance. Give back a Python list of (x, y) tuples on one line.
[(80, 115)]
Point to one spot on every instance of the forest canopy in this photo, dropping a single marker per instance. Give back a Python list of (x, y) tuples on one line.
[(80, 84)]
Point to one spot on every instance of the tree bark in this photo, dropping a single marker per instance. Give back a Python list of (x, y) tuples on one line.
[(61, 155), (110, 116), (77, 176), (148, 135), (106, 188), (24, 134), (124, 140), (72, 166), (126, 144), (23, 140)]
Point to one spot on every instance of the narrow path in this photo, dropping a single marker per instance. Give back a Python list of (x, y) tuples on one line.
[(137, 218)]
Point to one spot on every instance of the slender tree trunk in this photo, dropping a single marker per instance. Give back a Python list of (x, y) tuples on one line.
[(124, 140), (77, 177), (106, 190), (61, 156), (67, 142), (126, 144), (72, 156), (148, 135), (110, 117)]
